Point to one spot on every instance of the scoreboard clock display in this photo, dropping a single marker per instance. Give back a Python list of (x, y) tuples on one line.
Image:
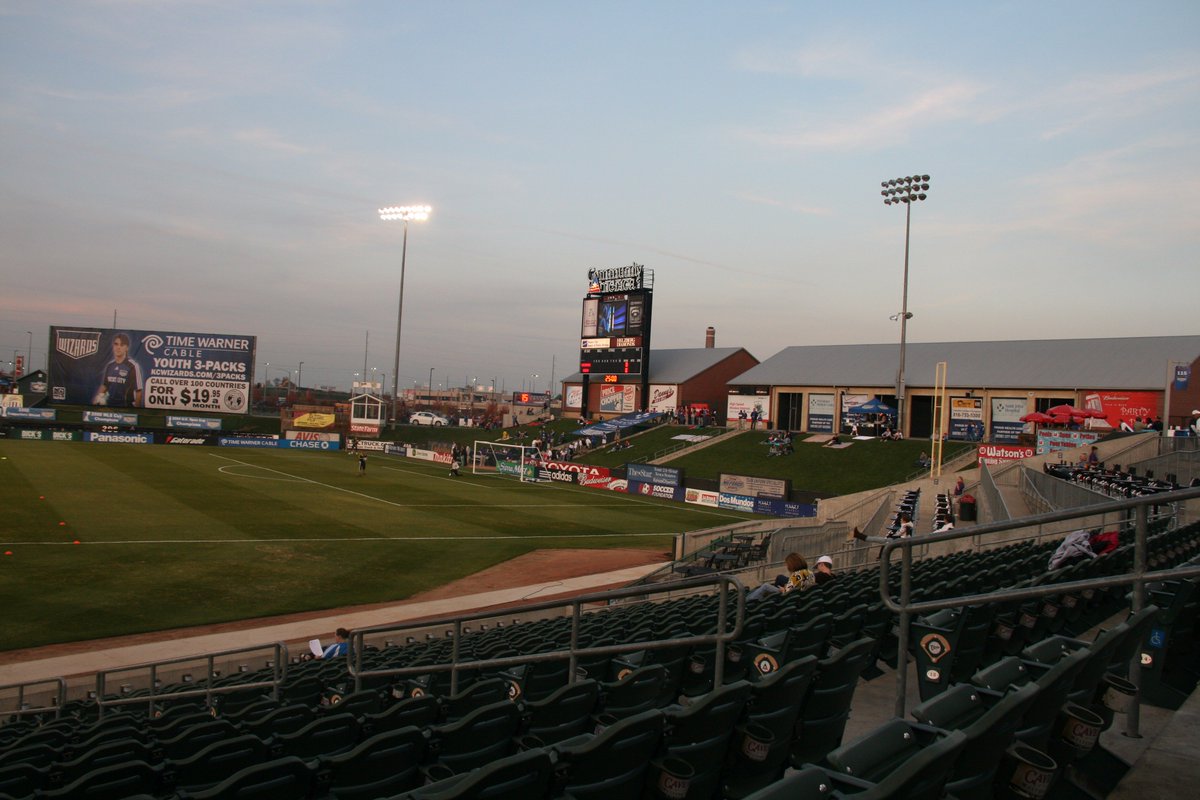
[(619, 361)]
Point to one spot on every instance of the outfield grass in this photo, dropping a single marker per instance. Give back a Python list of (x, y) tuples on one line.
[(645, 446), (827, 471), (177, 536)]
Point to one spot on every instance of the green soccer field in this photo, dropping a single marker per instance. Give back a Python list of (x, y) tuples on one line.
[(176, 536)]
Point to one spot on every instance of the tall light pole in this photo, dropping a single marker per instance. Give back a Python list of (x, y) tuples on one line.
[(404, 214), (300, 376), (907, 190), (431, 387), (29, 354)]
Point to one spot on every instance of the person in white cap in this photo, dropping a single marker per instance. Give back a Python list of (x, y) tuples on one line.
[(824, 572)]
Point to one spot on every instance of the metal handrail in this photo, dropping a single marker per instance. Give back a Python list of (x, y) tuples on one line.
[(23, 709), (906, 609), (573, 651), (278, 666)]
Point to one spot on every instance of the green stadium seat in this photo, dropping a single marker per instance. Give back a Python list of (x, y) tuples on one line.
[(326, 735), (524, 776), (612, 764), (114, 782), (482, 736), (285, 778), (636, 692), (699, 734), (827, 705), (385, 764), (207, 767), (564, 714)]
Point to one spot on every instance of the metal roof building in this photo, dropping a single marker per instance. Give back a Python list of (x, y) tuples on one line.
[(1133, 371)]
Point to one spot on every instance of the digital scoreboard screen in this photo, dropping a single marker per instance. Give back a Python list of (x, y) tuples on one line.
[(616, 315), (615, 361)]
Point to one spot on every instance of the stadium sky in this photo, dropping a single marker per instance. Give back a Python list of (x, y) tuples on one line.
[(218, 166)]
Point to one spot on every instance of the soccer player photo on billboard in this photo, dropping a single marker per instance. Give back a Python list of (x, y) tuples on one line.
[(121, 380)]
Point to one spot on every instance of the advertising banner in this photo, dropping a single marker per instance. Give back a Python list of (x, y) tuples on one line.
[(556, 475), (315, 419), (1003, 453), (966, 418), (650, 473), (50, 436), (820, 413), (44, 414), (701, 497), (196, 423), (617, 399), (581, 469), (248, 441), (11, 401), (319, 444), (749, 403), (574, 398), (1119, 406), (312, 436), (655, 490), (373, 445), (770, 488), (782, 508), (187, 439), (365, 429), (110, 418), (850, 401), (154, 369), (664, 397), (1050, 440), (1006, 419), (1183, 374), (735, 502), (118, 438)]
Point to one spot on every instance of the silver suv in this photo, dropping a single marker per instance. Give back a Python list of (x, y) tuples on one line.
[(427, 418)]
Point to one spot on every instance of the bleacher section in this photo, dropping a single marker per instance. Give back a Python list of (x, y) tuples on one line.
[(1010, 692)]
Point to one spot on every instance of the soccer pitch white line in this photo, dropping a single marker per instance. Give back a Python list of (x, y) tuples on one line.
[(380, 538)]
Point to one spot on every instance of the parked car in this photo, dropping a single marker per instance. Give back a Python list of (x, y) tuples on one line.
[(427, 418)]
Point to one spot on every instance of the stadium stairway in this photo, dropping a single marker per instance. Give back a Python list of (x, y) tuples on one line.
[(90, 662)]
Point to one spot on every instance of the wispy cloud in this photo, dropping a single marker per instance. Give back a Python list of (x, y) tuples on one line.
[(758, 199), (895, 122), (273, 141)]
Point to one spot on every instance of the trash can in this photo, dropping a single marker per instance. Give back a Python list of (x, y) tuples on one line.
[(967, 511)]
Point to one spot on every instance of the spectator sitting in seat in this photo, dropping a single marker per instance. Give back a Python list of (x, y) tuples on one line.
[(768, 589), (824, 573), (340, 644), (799, 577)]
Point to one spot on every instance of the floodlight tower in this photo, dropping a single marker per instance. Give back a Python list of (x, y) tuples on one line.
[(404, 214), (907, 190)]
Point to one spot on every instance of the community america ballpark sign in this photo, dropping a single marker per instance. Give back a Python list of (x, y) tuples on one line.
[(151, 369)]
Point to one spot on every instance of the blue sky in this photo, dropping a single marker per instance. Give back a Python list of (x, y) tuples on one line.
[(217, 166)]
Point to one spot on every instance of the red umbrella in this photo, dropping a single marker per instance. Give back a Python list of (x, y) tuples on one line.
[(1065, 410), (1038, 418)]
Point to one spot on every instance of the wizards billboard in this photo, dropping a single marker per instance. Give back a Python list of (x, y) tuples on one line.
[(151, 369)]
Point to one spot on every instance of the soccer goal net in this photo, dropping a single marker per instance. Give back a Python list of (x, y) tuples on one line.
[(502, 458)]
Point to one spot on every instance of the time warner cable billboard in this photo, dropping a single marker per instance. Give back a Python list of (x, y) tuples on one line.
[(151, 369)]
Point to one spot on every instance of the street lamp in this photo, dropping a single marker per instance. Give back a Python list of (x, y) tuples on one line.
[(907, 190), (404, 214)]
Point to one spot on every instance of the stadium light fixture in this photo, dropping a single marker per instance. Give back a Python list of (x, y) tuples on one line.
[(405, 214), (908, 190), (29, 354)]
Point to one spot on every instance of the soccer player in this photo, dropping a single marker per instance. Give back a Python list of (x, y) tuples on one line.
[(121, 381)]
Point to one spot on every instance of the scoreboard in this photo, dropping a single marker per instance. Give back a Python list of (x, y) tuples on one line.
[(615, 361)]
